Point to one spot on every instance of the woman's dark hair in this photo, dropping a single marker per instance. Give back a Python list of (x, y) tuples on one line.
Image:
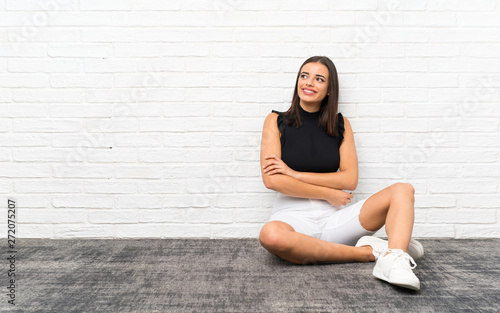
[(329, 105)]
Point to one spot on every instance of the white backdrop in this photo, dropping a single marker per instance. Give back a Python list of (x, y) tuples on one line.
[(142, 118)]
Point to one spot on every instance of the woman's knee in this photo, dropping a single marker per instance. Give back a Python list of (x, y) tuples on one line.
[(273, 237), (404, 189)]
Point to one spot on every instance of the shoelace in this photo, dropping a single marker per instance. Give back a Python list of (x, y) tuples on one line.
[(403, 257)]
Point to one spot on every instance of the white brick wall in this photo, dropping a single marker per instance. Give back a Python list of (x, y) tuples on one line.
[(134, 118)]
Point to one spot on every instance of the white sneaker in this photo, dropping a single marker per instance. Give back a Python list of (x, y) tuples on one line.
[(396, 267), (379, 246)]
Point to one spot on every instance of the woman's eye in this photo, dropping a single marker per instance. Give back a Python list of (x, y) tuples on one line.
[(303, 76), (321, 80)]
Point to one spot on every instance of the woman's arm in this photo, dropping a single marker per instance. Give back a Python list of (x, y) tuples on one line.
[(347, 176), (270, 145)]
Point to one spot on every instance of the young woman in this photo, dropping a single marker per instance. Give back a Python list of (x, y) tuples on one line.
[(308, 156)]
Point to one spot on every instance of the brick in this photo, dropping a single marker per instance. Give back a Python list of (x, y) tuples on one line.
[(112, 65), (23, 81), (6, 186), (84, 231), (471, 19), (112, 156), (24, 110), (208, 155), (426, 19), (122, 125), (235, 231), (186, 230), (381, 80), (207, 64), (24, 140), (155, 5), (235, 201), (138, 202), (193, 110), (161, 125), (5, 96), (237, 140), (484, 185), (47, 155), (191, 139), (46, 95), (253, 215), (144, 172), (209, 216), (331, 18), (212, 124), (144, 19), (162, 216), (161, 187), (82, 201), (149, 110), (82, 18), (212, 186), (477, 231), (113, 216), (24, 170), (454, 216), (79, 110), (80, 50), (448, 5), (27, 5), (404, 125), (139, 231), (186, 201), (473, 201), (248, 125), (176, 171), (162, 155), (138, 140), (464, 125), (83, 171), (432, 231), (379, 140), (36, 216), (40, 65), (35, 231), (25, 49), (5, 125), (28, 125), (83, 142), (361, 95), (34, 201), (84, 81), (431, 110), (112, 5), (110, 187), (434, 201), (47, 186)]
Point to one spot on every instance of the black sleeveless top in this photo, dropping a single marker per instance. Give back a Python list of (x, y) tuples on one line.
[(308, 148)]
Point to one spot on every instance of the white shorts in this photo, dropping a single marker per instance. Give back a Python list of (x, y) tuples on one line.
[(320, 219)]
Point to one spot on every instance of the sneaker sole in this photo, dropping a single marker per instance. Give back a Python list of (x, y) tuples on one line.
[(378, 274), (415, 249)]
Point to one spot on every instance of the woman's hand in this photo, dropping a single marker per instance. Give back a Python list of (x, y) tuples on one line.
[(274, 165), (338, 197)]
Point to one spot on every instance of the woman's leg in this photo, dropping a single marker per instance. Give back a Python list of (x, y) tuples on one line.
[(280, 239), (392, 206)]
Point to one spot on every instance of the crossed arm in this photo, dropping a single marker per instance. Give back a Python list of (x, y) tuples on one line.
[(328, 186)]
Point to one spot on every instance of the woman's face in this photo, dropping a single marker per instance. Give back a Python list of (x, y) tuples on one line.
[(313, 83)]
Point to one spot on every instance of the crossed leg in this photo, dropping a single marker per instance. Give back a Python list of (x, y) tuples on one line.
[(392, 206)]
